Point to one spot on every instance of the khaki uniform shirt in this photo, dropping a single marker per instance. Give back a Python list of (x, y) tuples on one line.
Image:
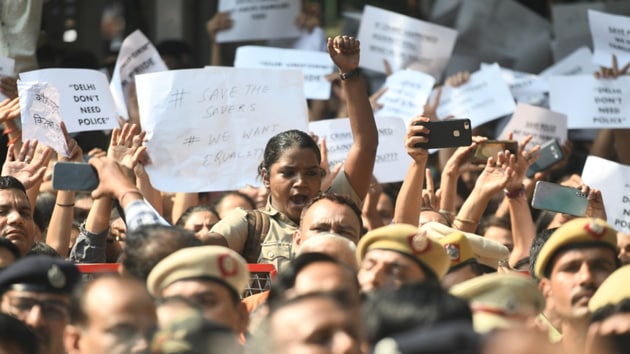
[(276, 247)]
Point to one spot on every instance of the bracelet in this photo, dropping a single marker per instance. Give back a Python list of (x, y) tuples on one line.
[(446, 212), (65, 205), (515, 193), (131, 191), (466, 221), (350, 74)]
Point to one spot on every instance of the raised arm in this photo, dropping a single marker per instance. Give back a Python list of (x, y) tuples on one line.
[(344, 51), (28, 165), (409, 201)]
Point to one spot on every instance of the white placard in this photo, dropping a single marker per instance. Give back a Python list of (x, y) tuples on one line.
[(85, 101), (611, 36), (40, 112), (580, 62), (591, 103), (392, 159), (485, 97), (207, 128), (137, 56), (7, 65), (403, 41), (613, 180), (407, 92), (525, 87), (313, 65), (259, 20), (541, 123)]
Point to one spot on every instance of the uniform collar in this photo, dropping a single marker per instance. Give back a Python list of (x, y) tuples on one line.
[(273, 212)]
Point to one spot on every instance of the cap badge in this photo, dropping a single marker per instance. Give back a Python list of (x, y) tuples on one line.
[(596, 230), (453, 251), (227, 266), (56, 278), (418, 243)]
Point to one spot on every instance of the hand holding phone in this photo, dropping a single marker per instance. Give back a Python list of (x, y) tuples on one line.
[(446, 133), (74, 176), (550, 153), (558, 198), (490, 148)]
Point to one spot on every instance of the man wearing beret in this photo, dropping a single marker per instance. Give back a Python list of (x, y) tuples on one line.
[(36, 290), (212, 276), (571, 266), (397, 254)]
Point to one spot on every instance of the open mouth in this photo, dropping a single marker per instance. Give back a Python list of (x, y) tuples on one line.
[(298, 200)]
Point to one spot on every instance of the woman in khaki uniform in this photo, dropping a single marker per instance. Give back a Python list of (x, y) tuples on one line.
[(291, 172)]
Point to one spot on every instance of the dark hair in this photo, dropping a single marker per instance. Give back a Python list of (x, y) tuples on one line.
[(44, 205), (281, 142), (42, 248), (9, 182), (501, 222), (193, 209), (149, 244), (287, 277), (335, 198), (9, 246), (617, 343), (248, 199), (417, 305), (14, 331), (537, 244)]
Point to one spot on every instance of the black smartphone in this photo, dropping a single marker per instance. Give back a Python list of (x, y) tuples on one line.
[(446, 133), (558, 198), (74, 176), (488, 148), (550, 153)]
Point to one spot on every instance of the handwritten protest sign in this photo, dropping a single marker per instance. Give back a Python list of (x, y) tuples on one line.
[(313, 65), (591, 103), (407, 92), (579, 62), (613, 180), (525, 87), (207, 128), (137, 56), (392, 160), (403, 41), (6, 69), (541, 123), (611, 36), (41, 115), (85, 101), (483, 98), (259, 20)]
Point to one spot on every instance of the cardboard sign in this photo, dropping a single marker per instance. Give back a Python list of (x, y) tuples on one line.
[(207, 128), (485, 97), (580, 62), (407, 92), (591, 103), (313, 65), (6, 69), (613, 180), (85, 101), (525, 87), (403, 41), (611, 36), (541, 123), (392, 159), (137, 56), (40, 115), (259, 20)]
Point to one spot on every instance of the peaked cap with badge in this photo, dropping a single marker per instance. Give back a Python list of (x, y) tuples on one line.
[(576, 233), (613, 290), (40, 273), (408, 240)]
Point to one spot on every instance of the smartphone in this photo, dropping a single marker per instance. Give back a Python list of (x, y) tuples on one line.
[(74, 176), (489, 148), (447, 133), (550, 153), (558, 198)]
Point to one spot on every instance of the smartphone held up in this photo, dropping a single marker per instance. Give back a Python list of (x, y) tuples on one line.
[(446, 133), (74, 176)]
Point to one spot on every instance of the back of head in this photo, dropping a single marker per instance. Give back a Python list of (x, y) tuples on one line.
[(16, 337), (338, 247), (148, 245), (421, 305)]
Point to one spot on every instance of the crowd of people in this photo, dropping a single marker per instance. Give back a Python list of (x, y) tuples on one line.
[(451, 260)]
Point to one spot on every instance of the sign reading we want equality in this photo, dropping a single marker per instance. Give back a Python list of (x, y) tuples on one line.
[(404, 42), (207, 128)]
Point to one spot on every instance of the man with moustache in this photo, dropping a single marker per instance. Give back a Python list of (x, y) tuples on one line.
[(16, 215), (36, 290)]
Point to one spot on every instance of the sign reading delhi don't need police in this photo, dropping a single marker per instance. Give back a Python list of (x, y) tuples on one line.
[(85, 102)]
